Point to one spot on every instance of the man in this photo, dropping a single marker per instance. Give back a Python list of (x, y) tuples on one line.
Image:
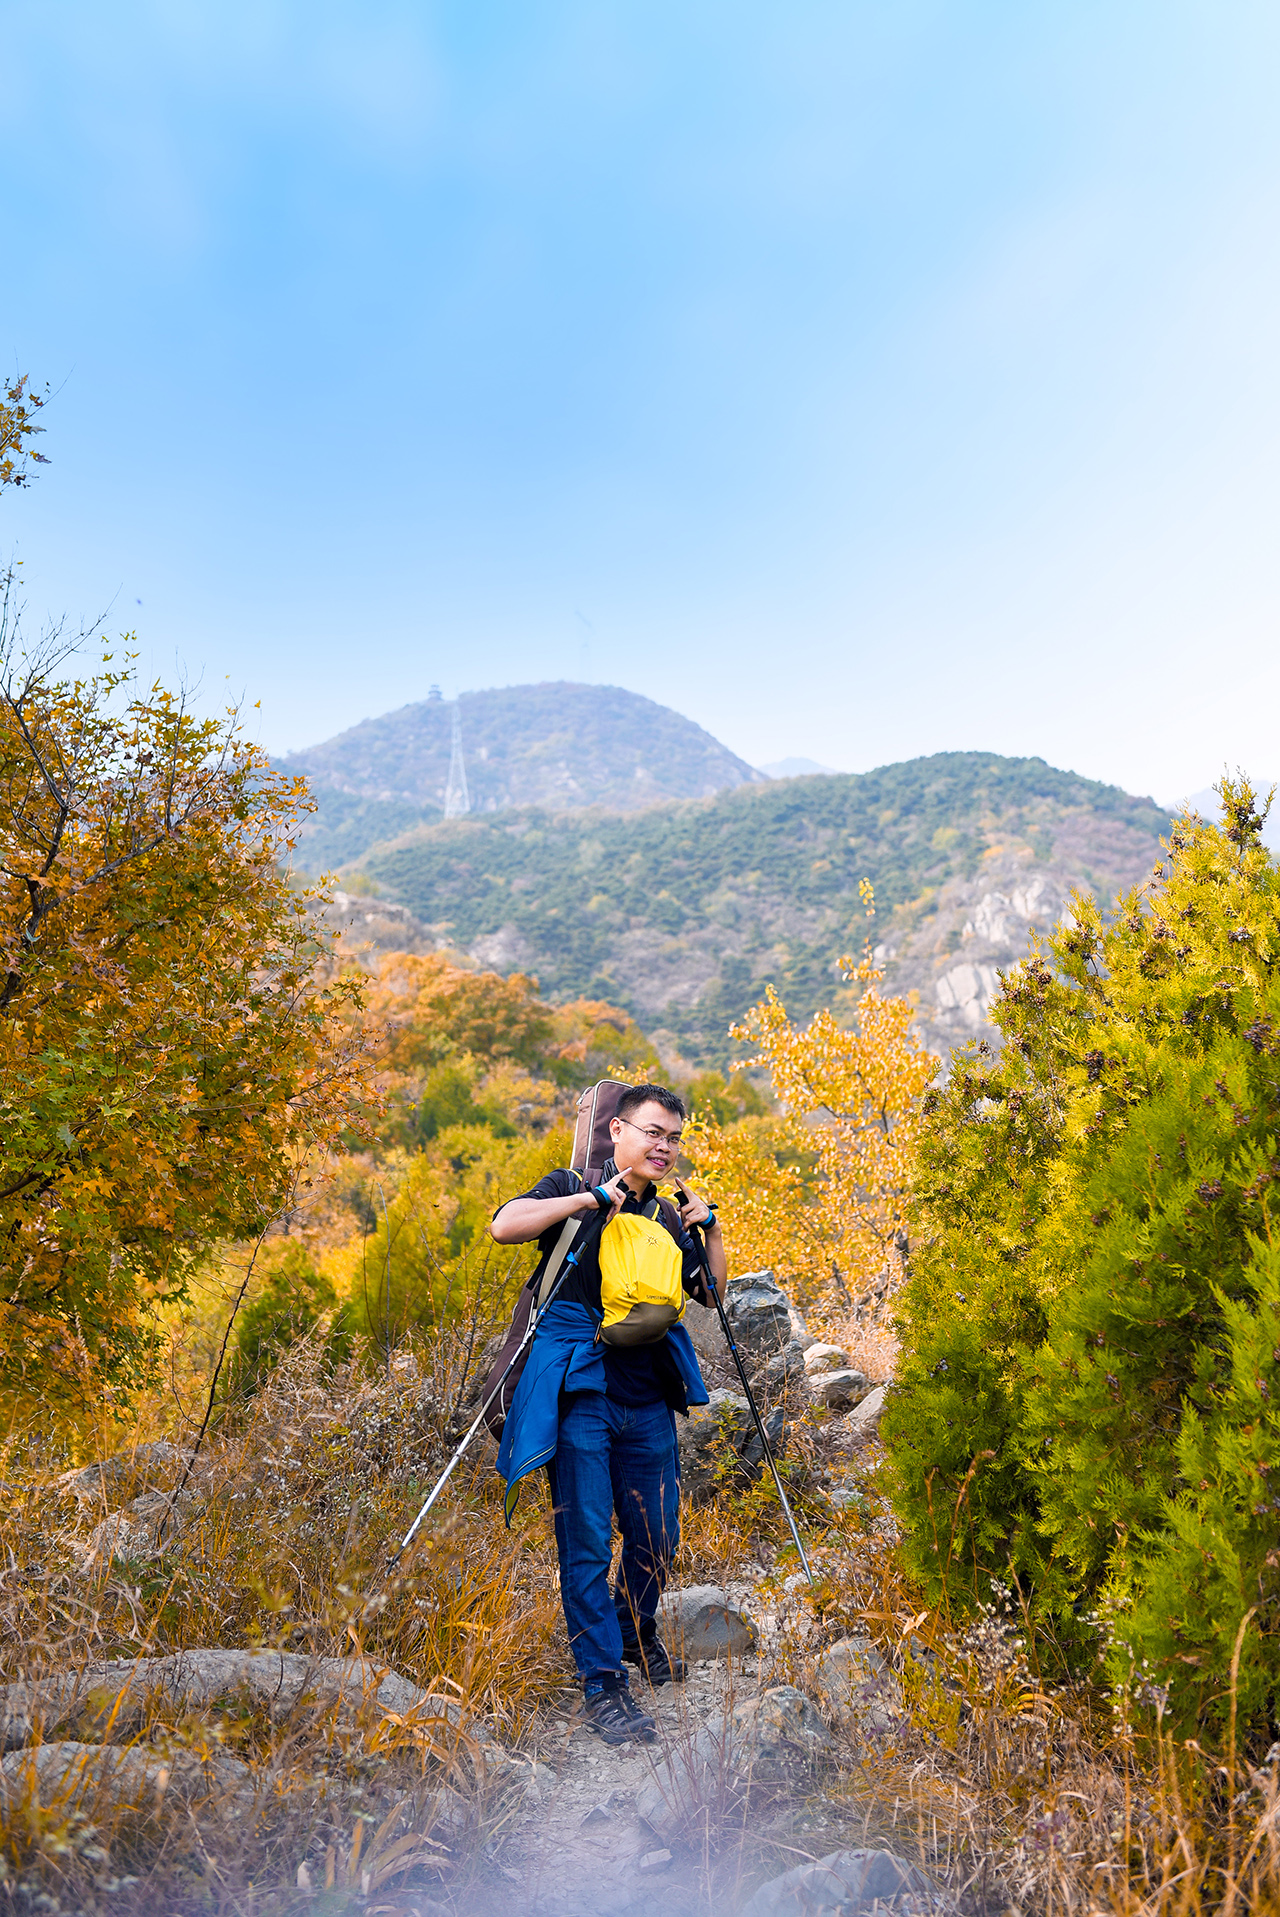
[(601, 1417)]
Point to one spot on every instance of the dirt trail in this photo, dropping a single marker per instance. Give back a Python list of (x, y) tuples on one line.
[(581, 1851)]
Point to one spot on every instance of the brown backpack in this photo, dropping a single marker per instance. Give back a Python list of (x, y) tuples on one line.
[(533, 1296), (592, 1139)]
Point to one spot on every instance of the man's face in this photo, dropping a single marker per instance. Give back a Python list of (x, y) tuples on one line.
[(646, 1140)]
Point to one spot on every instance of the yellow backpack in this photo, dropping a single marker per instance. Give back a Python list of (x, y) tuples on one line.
[(641, 1285)]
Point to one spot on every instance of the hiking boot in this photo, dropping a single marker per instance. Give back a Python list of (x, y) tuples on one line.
[(615, 1716), (655, 1661)]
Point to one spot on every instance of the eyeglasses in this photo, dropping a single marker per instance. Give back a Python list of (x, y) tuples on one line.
[(651, 1132)]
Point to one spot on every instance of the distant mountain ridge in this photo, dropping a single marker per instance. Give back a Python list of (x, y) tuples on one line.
[(559, 746), (684, 912), (795, 768)]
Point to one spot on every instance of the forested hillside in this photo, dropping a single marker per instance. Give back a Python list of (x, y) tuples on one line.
[(557, 745), (684, 912)]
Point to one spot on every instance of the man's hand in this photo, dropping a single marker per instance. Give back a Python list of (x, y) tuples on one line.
[(521, 1220), (617, 1189), (696, 1211), (693, 1210)]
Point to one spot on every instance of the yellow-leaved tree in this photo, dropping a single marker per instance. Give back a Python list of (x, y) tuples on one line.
[(818, 1195), (19, 406), (170, 1062)]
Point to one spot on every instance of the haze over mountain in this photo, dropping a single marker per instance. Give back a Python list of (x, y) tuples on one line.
[(1208, 804), (560, 746), (683, 912), (795, 768)]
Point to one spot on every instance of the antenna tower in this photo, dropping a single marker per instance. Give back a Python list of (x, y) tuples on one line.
[(457, 800)]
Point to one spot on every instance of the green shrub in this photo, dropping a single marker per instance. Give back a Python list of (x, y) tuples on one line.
[(429, 1260), (449, 1096), (292, 1302), (1088, 1394)]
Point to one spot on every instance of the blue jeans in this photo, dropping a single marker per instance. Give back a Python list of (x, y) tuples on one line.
[(613, 1458)]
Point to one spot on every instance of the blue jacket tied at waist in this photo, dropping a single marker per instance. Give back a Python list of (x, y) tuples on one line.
[(565, 1356)]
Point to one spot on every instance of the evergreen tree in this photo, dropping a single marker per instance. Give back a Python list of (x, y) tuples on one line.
[(1092, 1329)]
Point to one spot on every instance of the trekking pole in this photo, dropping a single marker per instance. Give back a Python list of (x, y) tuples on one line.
[(700, 1242), (534, 1321)]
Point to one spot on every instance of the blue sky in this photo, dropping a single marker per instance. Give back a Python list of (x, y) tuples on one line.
[(862, 380)]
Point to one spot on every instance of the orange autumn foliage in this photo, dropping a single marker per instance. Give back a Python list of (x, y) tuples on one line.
[(168, 1060), (459, 1046)]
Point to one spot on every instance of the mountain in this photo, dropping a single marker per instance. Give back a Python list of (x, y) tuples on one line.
[(795, 768), (558, 746), (683, 912)]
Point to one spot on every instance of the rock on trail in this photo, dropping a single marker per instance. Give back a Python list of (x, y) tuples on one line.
[(701, 1622), (863, 1422), (848, 1882), (838, 1390), (103, 1708), (135, 1775), (719, 1445), (709, 1773), (825, 1358)]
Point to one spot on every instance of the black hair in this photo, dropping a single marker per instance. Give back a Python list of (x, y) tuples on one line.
[(651, 1095)]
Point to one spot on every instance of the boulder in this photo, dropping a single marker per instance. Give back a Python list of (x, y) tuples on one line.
[(848, 1882), (102, 1486), (688, 1780), (785, 1371), (863, 1422), (708, 1439), (826, 1358), (703, 1326), (776, 1735), (800, 1331), (759, 1313), (142, 1530), (124, 1696), (719, 1444), (779, 1734), (838, 1390), (752, 1453), (133, 1774), (852, 1676), (849, 1661), (701, 1622)]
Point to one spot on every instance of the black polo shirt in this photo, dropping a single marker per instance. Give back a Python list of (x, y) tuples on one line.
[(634, 1374)]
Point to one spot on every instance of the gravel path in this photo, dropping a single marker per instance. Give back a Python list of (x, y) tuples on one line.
[(580, 1850)]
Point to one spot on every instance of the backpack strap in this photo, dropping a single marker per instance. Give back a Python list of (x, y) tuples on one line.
[(560, 1251), (668, 1212)]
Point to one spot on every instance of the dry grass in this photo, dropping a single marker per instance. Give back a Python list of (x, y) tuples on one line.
[(277, 1544), (1019, 1798), (872, 1347)]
